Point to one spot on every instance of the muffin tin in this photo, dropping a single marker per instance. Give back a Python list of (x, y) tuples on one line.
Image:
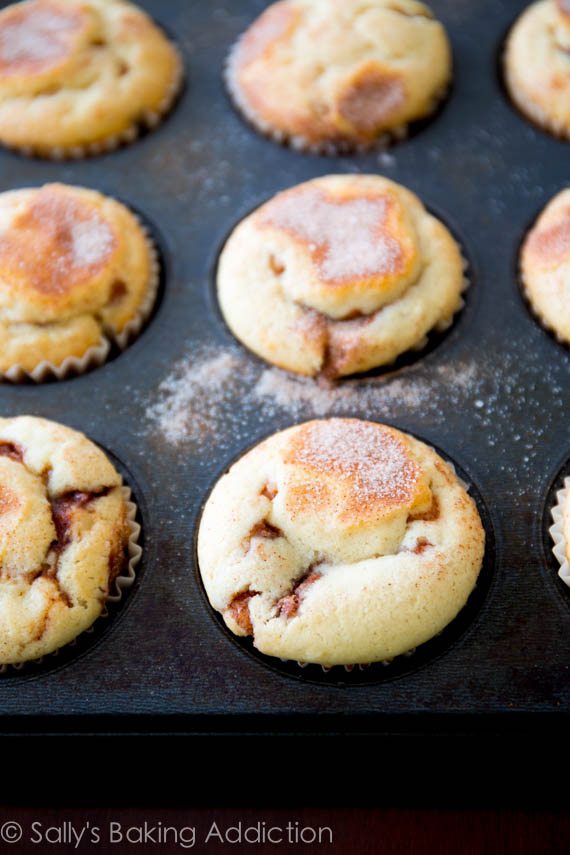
[(162, 661)]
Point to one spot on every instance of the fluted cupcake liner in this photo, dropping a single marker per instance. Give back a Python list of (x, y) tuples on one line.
[(557, 532)]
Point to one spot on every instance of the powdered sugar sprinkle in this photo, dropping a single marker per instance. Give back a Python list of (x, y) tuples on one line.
[(214, 392), (345, 237), (217, 400), (39, 36), (370, 457), (91, 241)]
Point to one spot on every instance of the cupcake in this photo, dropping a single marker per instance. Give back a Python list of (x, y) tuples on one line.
[(329, 76), (65, 536), (339, 275), (79, 76), (537, 64), (77, 271), (545, 266), (339, 542)]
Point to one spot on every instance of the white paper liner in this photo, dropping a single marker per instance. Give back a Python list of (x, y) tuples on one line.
[(97, 355), (148, 120), (121, 583), (557, 532), (302, 144)]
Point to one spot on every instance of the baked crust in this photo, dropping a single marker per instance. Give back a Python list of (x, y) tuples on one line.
[(537, 65), (324, 72), (339, 542), (75, 266), (63, 535), (79, 73), (545, 266), (339, 275)]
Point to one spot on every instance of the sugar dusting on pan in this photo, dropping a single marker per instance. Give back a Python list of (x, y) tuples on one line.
[(212, 400), (199, 398)]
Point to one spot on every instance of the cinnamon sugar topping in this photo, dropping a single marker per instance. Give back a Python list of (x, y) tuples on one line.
[(289, 605), (239, 610), (36, 36), (372, 460), (55, 244), (347, 238), (8, 449), (269, 28), (552, 244), (372, 98), (8, 500)]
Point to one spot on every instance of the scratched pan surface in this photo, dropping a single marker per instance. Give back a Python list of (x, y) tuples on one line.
[(162, 661)]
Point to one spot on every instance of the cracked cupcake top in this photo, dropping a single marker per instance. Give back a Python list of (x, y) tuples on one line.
[(339, 542), (337, 73), (75, 266), (78, 73), (339, 275), (63, 535), (537, 64)]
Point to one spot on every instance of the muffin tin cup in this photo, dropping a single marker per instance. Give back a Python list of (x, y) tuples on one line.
[(122, 583), (502, 664), (412, 354), (98, 354), (557, 533), (380, 671)]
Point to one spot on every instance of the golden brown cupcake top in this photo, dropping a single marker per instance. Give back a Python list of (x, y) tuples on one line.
[(352, 473), (327, 73), (60, 247), (548, 243), (357, 240), (40, 36), (545, 266), (75, 267), (338, 275), (537, 64), (79, 76), (55, 251)]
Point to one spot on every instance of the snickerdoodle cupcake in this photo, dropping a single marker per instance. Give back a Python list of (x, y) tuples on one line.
[(67, 534), (545, 266), (78, 77), (339, 275), (537, 64), (339, 542), (77, 272), (330, 75)]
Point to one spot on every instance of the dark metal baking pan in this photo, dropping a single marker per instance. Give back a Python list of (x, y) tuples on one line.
[(162, 662)]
